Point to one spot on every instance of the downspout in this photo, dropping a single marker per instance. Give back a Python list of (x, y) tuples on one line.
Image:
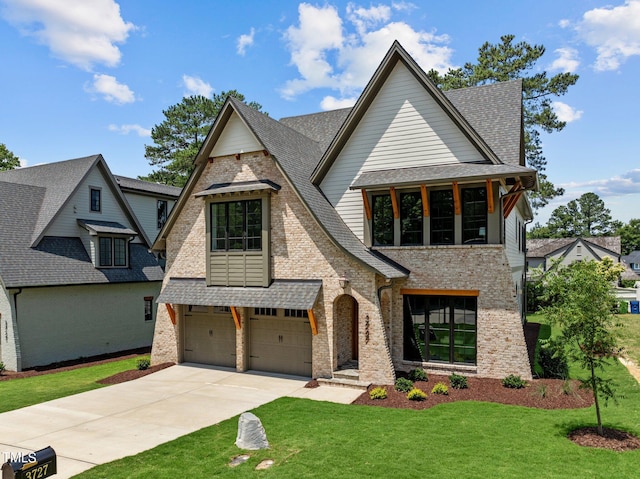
[(525, 293), (16, 335)]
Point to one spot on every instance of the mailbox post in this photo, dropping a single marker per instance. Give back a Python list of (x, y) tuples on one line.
[(37, 465)]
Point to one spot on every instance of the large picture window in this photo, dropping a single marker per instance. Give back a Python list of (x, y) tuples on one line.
[(474, 215), (236, 226), (442, 217), (382, 224), (411, 219), (440, 329)]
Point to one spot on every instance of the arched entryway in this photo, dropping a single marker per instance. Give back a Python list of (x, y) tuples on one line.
[(346, 327)]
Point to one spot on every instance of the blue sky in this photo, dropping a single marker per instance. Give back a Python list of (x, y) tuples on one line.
[(93, 76)]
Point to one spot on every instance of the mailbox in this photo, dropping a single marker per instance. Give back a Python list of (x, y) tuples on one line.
[(35, 465)]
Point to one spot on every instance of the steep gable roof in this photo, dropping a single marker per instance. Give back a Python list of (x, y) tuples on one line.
[(146, 187), (30, 200), (542, 247)]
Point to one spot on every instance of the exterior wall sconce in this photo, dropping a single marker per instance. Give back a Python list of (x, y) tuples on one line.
[(343, 280)]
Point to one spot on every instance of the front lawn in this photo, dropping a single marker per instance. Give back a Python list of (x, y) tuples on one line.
[(631, 335), (462, 439), (17, 393)]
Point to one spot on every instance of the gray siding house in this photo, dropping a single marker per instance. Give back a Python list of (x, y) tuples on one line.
[(76, 275), (377, 238), (544, 253)]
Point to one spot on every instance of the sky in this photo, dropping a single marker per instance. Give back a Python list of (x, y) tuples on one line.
[(82, 77)]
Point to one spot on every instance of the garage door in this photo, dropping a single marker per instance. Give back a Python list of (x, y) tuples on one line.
[(281, 345), (210, 339)]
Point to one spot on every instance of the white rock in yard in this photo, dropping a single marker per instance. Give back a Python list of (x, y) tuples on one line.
[(251, 434)]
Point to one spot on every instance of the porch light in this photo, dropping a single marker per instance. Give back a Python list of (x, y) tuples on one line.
[(343, 280)]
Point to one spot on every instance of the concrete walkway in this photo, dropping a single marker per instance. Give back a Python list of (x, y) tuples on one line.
[(105, 424)]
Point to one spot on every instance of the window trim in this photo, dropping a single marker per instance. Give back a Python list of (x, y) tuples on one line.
[(162, 217), (245, 227)]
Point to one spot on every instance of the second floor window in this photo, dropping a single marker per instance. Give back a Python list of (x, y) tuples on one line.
[(382, 220), (95, 200), (236, 226), (442, 217), (474, 215), (162, 213), (411, 218), (113, 251)]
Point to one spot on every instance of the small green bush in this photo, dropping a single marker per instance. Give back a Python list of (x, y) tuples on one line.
[(404, 385), (440, 388), (553, 361), (143, 363), (541, 390), (378, 393), (2, 367), (416, 394), (458, 381), (623, 308), (418, 374), (514, 382)]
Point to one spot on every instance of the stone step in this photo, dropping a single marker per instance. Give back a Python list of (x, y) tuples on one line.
[(343, 383), (352, 374)]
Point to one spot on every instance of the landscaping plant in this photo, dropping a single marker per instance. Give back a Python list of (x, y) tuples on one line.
[(514, 382), (416, 394), (378, 393), (404, 385), (580, 304), (418, 374), (440, 388), (143, 364), (458, 381)]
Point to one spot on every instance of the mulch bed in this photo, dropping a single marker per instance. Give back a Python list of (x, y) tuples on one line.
[(133, 374)]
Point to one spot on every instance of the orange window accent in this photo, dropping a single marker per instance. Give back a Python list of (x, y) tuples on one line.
[(313, 322), (236, 317), (367, 206), (425, 200), (394, 203), (456, 198)]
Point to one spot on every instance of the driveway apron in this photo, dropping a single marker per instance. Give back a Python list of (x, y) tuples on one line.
[(109, 423)]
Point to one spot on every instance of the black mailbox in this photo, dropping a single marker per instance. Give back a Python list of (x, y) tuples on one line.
[(33, 465)]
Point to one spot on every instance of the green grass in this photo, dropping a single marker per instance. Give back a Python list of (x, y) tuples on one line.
[(630, 338), (463, 439), (17, 393)]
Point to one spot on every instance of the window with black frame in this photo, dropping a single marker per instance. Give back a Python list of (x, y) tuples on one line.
[(163, 208), (442, 217), (382, 224), (411, 219), (112, 252), (236, 225), (440, 329), (474, 215)]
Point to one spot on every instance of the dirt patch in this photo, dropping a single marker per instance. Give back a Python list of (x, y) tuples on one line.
[(613, 439), (133, 374)]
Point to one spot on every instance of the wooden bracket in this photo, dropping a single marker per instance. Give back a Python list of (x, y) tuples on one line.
[(313, 322), (172, 313), (425, 200), (236, 317)]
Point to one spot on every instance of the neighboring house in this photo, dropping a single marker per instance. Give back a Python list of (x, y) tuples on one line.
[(544, 253), (383, 237), (151, 202), (632, 266), (76, 275)]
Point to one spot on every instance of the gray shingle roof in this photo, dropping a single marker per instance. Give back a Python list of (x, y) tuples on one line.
[(142, 186), (288, 294), (108, 227), (541, 247), (29, 199), (240, 186), (321, 127)]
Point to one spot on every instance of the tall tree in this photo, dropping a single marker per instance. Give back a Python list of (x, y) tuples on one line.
[(179, 137), (630, 236), (8, 161), (581, 299), (585, 216), (509, 61)]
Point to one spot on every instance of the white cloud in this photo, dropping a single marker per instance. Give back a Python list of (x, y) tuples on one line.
[(126, 129), (111, 90), (341, 55), (566, 112), (244, 41), (614, 32), (196, 86), (80, 32), (564, 23), (626, 184), (333, 103), (567, 60)]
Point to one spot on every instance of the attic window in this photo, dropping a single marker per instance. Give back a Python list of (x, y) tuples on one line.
[(95, 200)]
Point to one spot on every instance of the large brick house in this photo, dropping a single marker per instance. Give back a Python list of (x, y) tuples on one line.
[(381, 237)]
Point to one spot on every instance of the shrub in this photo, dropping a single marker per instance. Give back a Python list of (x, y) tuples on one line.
[(378, 393), (514, 382), (541, 390), (440, 388), (144, 363), (623, 307), (553, 361), (458, 381), (2, 367), (416, 394), (567, 387), (418, 374), (404, 385)]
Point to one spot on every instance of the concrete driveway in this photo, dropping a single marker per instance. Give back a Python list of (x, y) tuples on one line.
[(124, 419)]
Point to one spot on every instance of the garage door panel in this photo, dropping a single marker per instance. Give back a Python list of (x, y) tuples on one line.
[(281, 345), (210, 340)]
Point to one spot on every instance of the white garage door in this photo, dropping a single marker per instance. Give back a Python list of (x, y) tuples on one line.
[(281, 345), (210, 339)]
